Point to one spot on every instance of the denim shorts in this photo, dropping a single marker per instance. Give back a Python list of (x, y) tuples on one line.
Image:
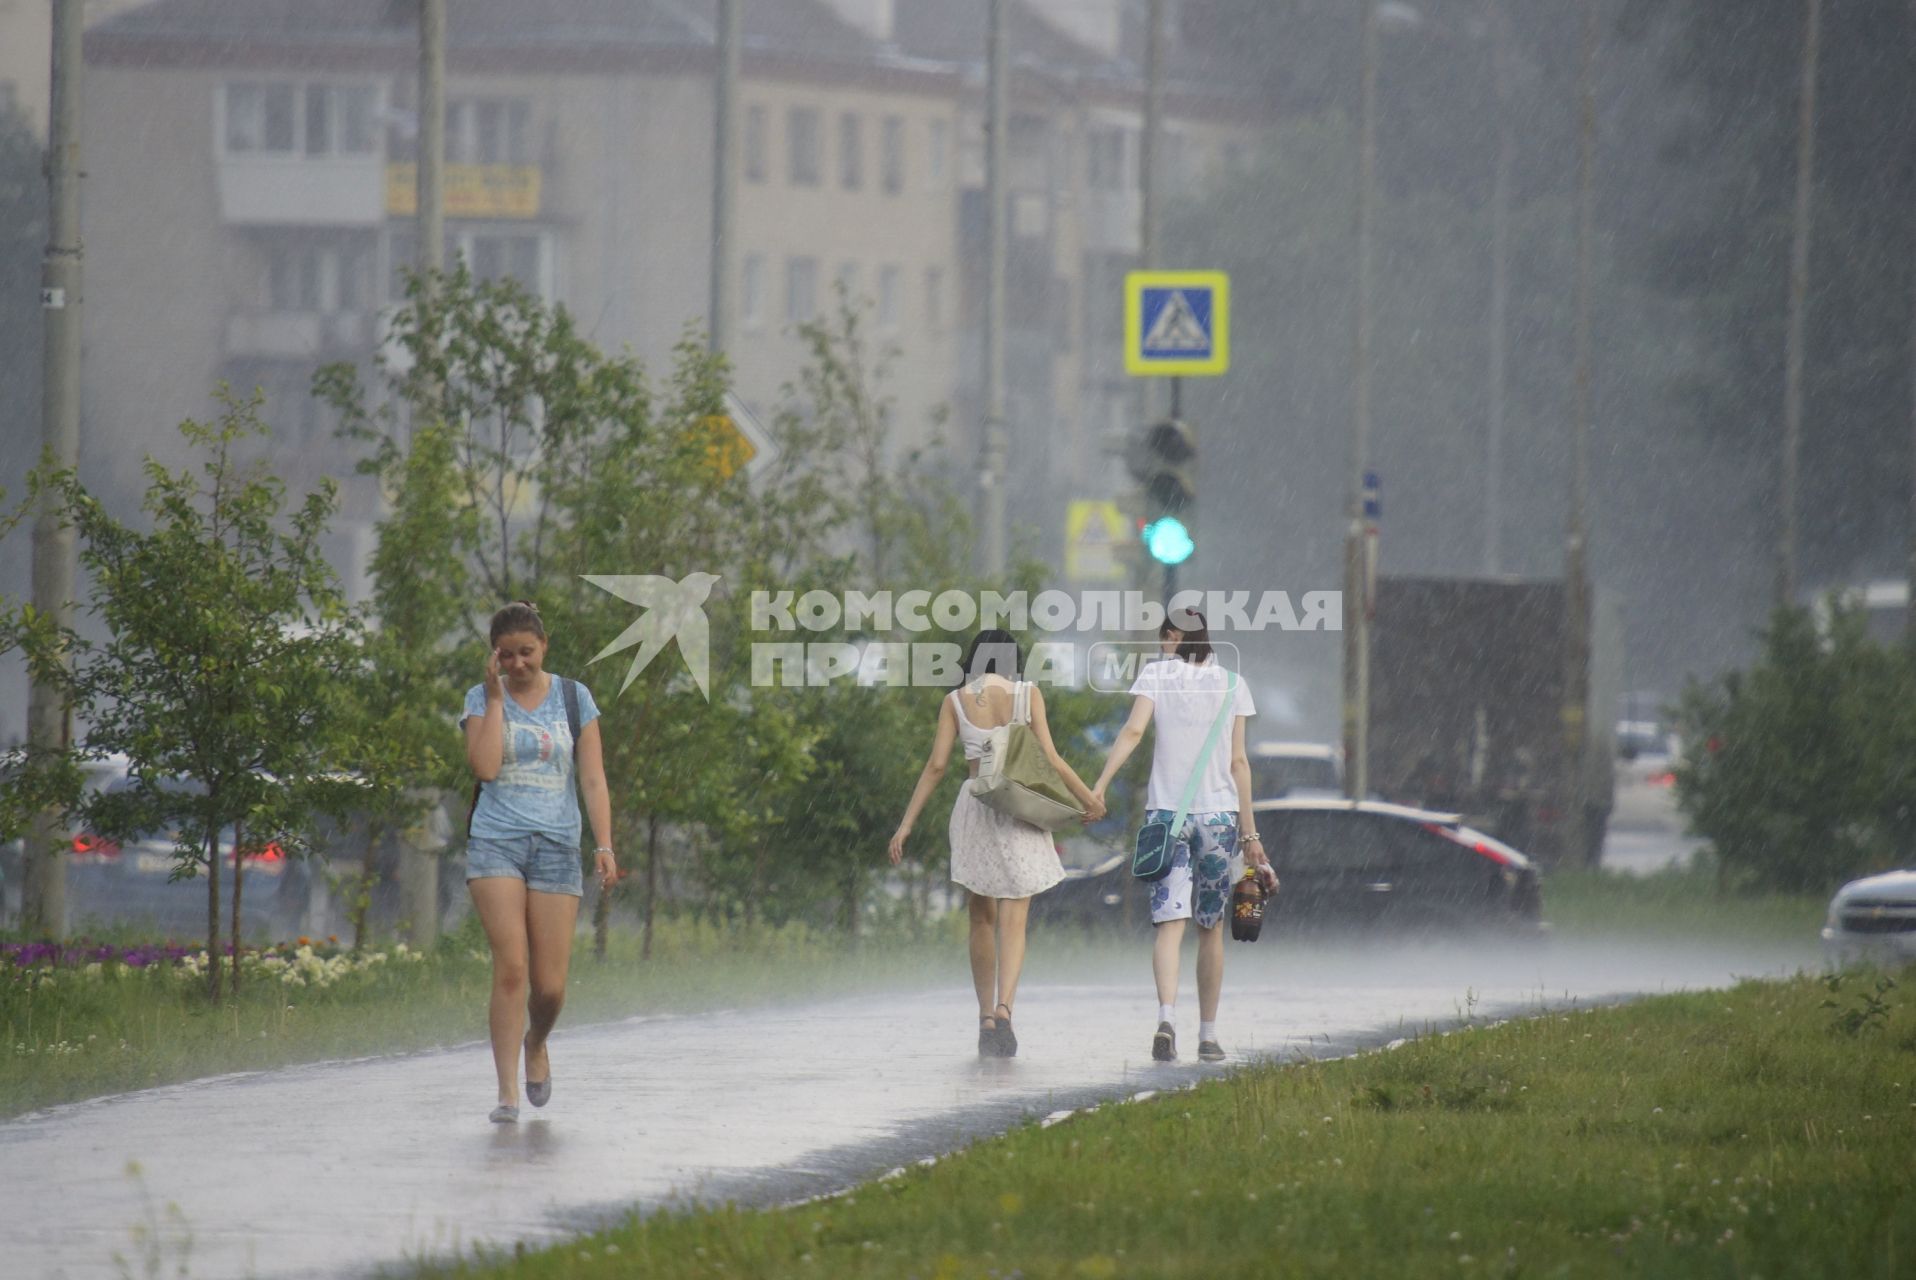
[(545, 864)]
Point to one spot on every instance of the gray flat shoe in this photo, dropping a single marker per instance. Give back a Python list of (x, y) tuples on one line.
[(503, 1114), (539, 1092)]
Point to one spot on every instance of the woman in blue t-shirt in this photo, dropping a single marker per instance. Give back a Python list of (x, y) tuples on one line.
[(522, 850)]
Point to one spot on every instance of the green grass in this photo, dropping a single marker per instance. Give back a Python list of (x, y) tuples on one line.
[(1733, 1133), (1676, 903), (81, 1037)]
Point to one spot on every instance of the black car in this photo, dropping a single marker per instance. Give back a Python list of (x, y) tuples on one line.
[(1339, 863), (1368, 862)]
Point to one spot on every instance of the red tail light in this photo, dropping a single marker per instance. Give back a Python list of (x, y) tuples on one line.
[(1475, 846), (89, 845)]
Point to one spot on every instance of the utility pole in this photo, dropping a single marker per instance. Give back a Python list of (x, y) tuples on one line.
[(1576, 570), (724, 175), (1799, 303), (1357, 611), (1909, 617), (992, 477), (49, 718), (432, 135), (418, 854), (1499, 288), (1150, 147)]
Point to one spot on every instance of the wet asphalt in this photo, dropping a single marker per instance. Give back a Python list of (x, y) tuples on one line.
[(346, 1169)]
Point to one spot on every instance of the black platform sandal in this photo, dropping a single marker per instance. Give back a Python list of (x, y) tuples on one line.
[(1007, 1038), (987, 1036)]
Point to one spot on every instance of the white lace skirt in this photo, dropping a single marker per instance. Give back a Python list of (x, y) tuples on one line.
[(996, 856)]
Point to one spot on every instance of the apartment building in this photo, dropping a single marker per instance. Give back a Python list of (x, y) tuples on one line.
[(250, 203)]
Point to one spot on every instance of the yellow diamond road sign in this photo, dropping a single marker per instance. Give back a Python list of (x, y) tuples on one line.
[(1177, 324)]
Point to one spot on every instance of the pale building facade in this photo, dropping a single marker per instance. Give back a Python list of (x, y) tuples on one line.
[(249, 205)]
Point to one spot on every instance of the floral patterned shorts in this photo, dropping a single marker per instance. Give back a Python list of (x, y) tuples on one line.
[(1198, 886)]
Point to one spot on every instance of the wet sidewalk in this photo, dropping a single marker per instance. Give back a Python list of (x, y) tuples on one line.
[(339, 1169)]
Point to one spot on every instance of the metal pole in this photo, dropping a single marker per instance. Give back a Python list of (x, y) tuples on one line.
[(724, 175), (1499, 289), (419, 866), (1909, 615), (1149, 149), (992, 477), (1799, 303), (432, 135), (1356, 612), (49, 718), (1574, 845)]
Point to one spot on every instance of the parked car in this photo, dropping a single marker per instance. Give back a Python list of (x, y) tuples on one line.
[(1368, 865), (1303, 769), (1873, 921), (1372, 863), (131, 883)]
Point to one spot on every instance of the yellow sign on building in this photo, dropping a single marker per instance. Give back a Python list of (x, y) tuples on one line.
[(1094, 531), (472, 190), (727, 449)]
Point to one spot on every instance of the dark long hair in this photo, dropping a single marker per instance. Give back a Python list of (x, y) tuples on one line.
[(993, 650), (1195, 642)]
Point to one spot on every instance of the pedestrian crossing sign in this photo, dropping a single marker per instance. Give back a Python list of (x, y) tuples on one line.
[(1177, 323)]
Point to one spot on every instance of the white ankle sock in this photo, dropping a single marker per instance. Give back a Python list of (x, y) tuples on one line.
[(1207, 1031), (1167, 1013)]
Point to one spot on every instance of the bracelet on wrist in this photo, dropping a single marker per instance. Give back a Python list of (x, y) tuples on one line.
[(603, 848)]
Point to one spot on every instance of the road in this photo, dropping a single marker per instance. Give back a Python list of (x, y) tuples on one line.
[(1646, 830), (334, 1169)]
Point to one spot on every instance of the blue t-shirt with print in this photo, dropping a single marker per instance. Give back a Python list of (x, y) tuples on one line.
[(535, 792)]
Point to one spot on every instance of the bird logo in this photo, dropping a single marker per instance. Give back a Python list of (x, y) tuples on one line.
[(672, 610)]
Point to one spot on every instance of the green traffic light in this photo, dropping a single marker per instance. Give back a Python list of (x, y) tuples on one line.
[(1168, 541)]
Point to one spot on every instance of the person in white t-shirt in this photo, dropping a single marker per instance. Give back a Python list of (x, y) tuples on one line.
[(1184, 691)]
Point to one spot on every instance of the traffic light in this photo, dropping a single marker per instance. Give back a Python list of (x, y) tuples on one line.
[(1163, 459)]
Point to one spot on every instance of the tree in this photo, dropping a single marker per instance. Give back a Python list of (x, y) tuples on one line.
[(220, 677)]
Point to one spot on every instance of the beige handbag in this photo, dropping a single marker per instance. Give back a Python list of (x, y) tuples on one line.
[(1015, 778)]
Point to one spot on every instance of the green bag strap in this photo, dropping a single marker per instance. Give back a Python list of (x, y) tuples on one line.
[(1204, 756)]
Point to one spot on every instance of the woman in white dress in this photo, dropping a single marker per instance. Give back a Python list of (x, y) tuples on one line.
[(997, 859)]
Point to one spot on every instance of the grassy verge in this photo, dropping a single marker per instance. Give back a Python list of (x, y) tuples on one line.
[(85, 1034), (1755, 1131), (1676, 903)]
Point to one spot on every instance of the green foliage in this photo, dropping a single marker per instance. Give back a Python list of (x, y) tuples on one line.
[(1869, 1011), (1798, 771), (221, 675)]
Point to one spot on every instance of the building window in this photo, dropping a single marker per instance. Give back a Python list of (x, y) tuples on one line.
[(305, 275), (754, 144), (316, 118), (935, 299), (803, 146), (1104, 148), (937, 155), (892, 156), (259, 117), (801, 290), (846, 284), (752, 290), (851, 152), (489, 131), (524, 256), (889, 287), (339, 119)]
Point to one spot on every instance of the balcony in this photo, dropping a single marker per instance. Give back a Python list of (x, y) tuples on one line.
[(292, 190), (298, 335)]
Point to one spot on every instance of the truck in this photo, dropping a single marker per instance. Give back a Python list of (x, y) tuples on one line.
[(1474, 709)]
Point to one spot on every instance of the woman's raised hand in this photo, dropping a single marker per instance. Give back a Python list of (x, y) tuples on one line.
[(495, 686)]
